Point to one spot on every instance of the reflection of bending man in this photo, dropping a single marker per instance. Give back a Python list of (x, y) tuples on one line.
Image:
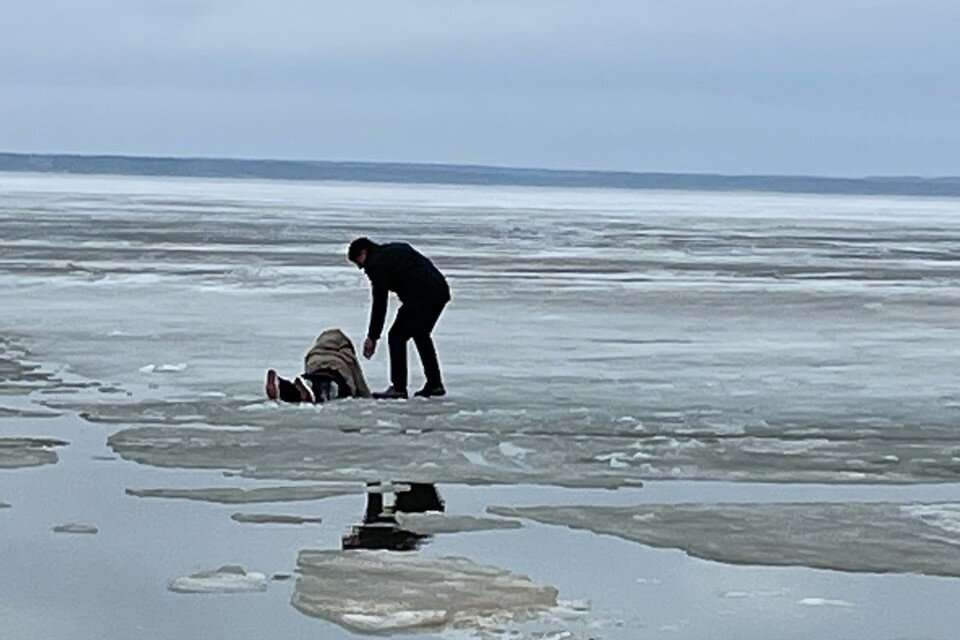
[(423, 292), (331, 371), (380, 530)]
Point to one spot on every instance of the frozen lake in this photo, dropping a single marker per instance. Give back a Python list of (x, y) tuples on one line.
[(597, 339)]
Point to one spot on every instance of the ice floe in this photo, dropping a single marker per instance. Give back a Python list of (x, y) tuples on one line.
[(12, 412), (226, 579), (28, 452), (76, 527), (436, 443), (434, 523), (383, 592), (862, 537), (270, 518), (239, 495)]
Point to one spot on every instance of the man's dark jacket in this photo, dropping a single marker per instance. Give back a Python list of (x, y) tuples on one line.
[(398, 267)]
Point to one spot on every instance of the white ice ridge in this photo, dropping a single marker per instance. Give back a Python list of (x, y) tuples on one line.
[(825, 602), (226, 579), (163, 368), (942, 516), (385, 592)]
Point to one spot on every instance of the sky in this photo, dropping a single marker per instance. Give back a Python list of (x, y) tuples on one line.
[(825, 87)]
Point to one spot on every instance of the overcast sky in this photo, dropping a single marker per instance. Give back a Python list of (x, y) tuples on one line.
[(830, 87)]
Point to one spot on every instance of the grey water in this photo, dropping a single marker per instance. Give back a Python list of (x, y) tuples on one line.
[(674, 345)]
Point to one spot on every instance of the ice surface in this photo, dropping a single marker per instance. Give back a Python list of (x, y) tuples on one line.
[(270, 518), (75, 527), (862, 537), (28, 452), (226, 579), (595, 338), (385, 592), (599, 455), (434, 523)]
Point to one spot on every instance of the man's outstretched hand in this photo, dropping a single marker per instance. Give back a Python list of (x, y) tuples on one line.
[(369, 348)]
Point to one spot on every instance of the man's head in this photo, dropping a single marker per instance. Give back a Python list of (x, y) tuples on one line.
[(359, 248)]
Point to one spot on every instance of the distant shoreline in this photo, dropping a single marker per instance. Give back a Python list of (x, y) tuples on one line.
[(450, 174)]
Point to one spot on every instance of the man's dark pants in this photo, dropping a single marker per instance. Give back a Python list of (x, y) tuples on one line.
[(414, 321)]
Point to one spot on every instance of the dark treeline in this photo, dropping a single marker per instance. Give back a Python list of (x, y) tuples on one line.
[(469, 175)]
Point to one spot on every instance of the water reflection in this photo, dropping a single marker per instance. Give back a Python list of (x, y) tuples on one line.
[(379, 529)]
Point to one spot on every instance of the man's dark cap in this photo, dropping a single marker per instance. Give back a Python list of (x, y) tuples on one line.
[(359, 245)]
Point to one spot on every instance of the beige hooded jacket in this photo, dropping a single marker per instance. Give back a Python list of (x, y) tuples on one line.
[(333, 350)]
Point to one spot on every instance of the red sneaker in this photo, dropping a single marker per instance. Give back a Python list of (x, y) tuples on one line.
[(273, 389)]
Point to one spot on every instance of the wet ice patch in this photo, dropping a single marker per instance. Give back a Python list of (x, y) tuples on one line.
[(859, 537), (226, 579), (748, 595), (383, 592)]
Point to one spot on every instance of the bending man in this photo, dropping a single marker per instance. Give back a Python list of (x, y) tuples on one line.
[(423, 292)]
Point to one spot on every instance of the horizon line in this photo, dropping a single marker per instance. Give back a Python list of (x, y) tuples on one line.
[(473, 165), (468, 174)]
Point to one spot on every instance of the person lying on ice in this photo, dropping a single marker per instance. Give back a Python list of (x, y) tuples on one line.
[(331, 371)]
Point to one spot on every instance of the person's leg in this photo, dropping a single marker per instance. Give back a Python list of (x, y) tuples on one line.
[(428, 358), (401, 331), (426, 321), (327, 384), (288, 391)]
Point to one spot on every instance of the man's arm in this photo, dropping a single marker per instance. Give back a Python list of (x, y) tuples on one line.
[(378, 312)]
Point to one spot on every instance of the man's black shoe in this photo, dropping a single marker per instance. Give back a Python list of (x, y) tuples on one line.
[(391, 394), (431, 391)]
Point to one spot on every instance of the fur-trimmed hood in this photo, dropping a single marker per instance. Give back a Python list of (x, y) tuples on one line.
[(334, 350)]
